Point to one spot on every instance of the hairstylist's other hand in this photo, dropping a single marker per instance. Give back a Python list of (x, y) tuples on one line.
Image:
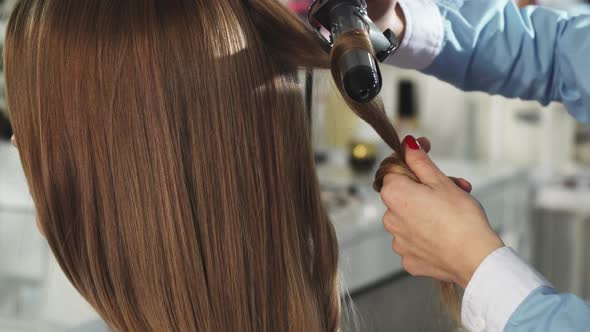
[(378, 10), (439, 230), (424, 144)]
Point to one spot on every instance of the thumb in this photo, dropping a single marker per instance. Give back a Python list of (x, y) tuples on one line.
[(419, 162)]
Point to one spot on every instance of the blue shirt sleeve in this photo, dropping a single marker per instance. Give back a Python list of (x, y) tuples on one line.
[(546, 311), (532, 53)]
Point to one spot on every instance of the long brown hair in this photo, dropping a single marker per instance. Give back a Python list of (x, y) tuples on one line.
[(168, 154)]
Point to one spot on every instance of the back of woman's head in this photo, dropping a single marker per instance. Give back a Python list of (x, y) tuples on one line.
[(167, 150), (168, 154)]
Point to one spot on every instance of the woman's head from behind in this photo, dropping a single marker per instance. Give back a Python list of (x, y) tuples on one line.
[(167, 151), (168, 154)]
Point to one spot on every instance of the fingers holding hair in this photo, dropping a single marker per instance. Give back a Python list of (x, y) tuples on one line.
[(398, 188), (425, 144), (462, 183), (421, 164), (390, 224)]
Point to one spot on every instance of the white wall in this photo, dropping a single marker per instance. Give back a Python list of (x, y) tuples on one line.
[(481, 127)]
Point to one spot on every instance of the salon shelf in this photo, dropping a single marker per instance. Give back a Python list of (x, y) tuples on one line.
[(561, 229)]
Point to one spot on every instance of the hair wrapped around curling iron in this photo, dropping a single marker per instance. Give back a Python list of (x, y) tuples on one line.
[(298, 46), (374, 114)]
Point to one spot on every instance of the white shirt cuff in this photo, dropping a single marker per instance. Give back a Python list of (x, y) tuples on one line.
[(498, 286), (424, 34)]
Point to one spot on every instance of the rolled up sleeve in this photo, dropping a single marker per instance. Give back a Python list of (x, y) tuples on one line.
[(422, 42), (499, 285)]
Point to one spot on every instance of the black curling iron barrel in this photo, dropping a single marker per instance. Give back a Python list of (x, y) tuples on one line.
[(359, 69), (360, 75)]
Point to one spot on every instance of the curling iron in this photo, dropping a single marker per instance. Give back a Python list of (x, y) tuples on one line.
[(358, 68)]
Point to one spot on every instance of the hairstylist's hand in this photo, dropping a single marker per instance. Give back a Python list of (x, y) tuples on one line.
[(378, 11), (424, 144), (378, 8), (439, 230)]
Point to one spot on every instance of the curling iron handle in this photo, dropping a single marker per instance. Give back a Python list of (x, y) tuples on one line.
[(384, 43)]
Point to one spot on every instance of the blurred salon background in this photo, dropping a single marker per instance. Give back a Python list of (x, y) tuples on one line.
[(529, 166)]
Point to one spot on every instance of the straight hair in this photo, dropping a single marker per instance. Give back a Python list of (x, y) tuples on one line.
[(168, 153)]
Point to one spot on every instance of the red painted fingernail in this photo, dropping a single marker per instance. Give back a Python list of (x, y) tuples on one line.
[(411, 142)]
